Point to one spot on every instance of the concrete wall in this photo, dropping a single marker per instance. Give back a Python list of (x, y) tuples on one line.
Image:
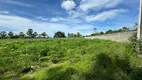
[(120, 37)]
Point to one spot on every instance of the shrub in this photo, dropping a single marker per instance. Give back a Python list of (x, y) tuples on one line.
[(137, 44), (136, 74), (59, 34)]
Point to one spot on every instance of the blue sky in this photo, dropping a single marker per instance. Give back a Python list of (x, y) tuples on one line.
[(71, 16)]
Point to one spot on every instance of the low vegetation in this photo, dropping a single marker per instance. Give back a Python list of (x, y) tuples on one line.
[(68, 59), (137, 44), (124, 29)]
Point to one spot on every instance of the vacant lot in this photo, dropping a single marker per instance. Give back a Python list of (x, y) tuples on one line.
[(67, 59)]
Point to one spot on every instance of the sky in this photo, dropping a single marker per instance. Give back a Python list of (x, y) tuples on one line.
[(69, 16)]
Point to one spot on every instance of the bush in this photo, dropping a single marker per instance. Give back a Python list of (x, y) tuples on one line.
[(137, 44), (59, 34), (136, 74)]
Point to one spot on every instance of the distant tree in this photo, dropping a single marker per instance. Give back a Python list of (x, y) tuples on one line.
[(114, 31), (75, 35), (94, 34), (10, 34), (21, 35), (30, 32), (101, 32), (78, 34), (72, 35), (15, 36), (44, 34), (59, 34), (3, 34), (69, 34), (35, 34), (120, 30), (125, 29), (109, 31)]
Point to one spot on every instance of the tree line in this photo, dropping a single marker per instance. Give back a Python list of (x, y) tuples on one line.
[(124, 29), (30, 34)]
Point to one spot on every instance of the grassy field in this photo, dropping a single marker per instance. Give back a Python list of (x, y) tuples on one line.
[(68, 59)]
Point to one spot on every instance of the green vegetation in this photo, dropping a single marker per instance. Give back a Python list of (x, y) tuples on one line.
[(30, 34), (68, 59), (124, 29), (71, 35), (59, 34), (137, 44)]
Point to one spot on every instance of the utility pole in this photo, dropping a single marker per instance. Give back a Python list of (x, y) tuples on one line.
[(139, 31)]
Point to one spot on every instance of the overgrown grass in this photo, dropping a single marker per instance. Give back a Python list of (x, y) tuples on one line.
[(68, 59)]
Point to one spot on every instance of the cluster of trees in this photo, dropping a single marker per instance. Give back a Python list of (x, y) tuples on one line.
[(124, 29), (29, 34), (60, 34), (32, 34), (74, 35)]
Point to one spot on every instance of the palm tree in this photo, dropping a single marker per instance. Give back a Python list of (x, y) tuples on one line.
[(3, 34)]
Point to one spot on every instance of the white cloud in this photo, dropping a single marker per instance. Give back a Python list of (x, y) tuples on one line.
[(86, 5), (41, 18), (68, 4), (105, 15), (56, 19), (18, 24), (76, 14), (59, 19), (67, 20), (4, 12), (16, 3)]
